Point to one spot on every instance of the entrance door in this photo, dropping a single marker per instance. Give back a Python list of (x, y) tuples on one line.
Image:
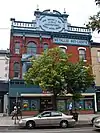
[(45, 104), (1, 108)]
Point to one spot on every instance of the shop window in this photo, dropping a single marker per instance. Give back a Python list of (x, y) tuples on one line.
[(45, 46), (98, 55), (82, 54), (80, 105), (30, 104), (25, 105), (17, 47), (16, 70), (34, 105), (88, 104), (61, 105), (31, 48)]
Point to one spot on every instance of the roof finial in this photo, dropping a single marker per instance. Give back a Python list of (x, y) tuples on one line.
[(37, 7), (64, 10)]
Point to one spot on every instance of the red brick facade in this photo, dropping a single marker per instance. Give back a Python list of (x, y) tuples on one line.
[(73, 50)]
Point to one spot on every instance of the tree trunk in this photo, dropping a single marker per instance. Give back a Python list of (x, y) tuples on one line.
[(54, 102)]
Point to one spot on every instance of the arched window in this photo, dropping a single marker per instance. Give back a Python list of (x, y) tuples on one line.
[(16, 70), (17, 47), (31, 48), (63, 48), (45, 46), (82, 53)]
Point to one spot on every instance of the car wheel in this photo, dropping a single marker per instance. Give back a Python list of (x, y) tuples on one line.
[(64, 124), (30, 124)]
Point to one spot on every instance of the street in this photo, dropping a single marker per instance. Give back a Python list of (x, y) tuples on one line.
[(57, 130)]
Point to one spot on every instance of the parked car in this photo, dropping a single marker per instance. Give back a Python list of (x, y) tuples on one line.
[(48, 118), (93, 119), (96, 123)]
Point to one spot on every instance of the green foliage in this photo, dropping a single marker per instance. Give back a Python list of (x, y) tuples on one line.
[(77, 96), (78, 77), (54, 73), (46, 71), (94, 21)]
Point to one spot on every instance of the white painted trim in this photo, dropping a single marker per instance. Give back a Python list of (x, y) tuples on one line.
[(81, 48), (36, 95), (83, 94), (63, 46), (95, 103)]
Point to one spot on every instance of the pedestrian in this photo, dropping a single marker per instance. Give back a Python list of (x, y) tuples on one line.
[(70, 108), (14, 112), (75, 115), (19, 112)]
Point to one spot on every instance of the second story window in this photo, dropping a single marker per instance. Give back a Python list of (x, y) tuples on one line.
[(63, 48), (16, 70), (98, 55), (17, 47), (82, 54), (45, 46), (31, 48)]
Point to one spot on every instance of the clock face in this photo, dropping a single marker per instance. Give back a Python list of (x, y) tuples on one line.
[(51, 23)]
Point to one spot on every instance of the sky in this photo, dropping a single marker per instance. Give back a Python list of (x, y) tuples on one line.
[(23, 10)]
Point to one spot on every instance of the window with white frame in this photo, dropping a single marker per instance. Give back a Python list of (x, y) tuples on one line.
[(98, 55), (17, 47), (63, 48), (16, 70), (82, 54)]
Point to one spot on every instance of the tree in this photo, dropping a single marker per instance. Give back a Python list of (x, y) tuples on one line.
[(53, 72), (94, 21), (79, 78), (46, 72)]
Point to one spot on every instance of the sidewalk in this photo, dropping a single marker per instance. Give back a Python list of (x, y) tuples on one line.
[(84, 121)]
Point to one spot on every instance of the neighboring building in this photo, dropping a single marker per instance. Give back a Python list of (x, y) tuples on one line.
[(4, 78), (4, 64), (95, 55), (48, 30)]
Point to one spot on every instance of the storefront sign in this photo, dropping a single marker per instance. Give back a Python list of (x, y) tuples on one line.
[(52, 24), (70, 41)]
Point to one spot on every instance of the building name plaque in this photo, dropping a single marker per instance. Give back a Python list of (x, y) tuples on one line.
[(70, 41), (52, 24)]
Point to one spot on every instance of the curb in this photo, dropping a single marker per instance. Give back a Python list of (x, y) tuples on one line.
[(83, 125), (78, 125), (9, 127)]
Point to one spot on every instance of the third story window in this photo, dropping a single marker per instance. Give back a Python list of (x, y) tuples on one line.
[(17, 47)]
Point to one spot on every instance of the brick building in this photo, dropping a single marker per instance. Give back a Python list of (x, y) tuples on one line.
[(48, 30)]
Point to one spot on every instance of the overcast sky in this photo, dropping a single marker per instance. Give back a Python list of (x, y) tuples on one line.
[(78, 10)]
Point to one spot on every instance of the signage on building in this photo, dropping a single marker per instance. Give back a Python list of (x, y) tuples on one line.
[(70, 41), (51, 23)]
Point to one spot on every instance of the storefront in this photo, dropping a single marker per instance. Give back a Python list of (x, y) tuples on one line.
[(34, 103)]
